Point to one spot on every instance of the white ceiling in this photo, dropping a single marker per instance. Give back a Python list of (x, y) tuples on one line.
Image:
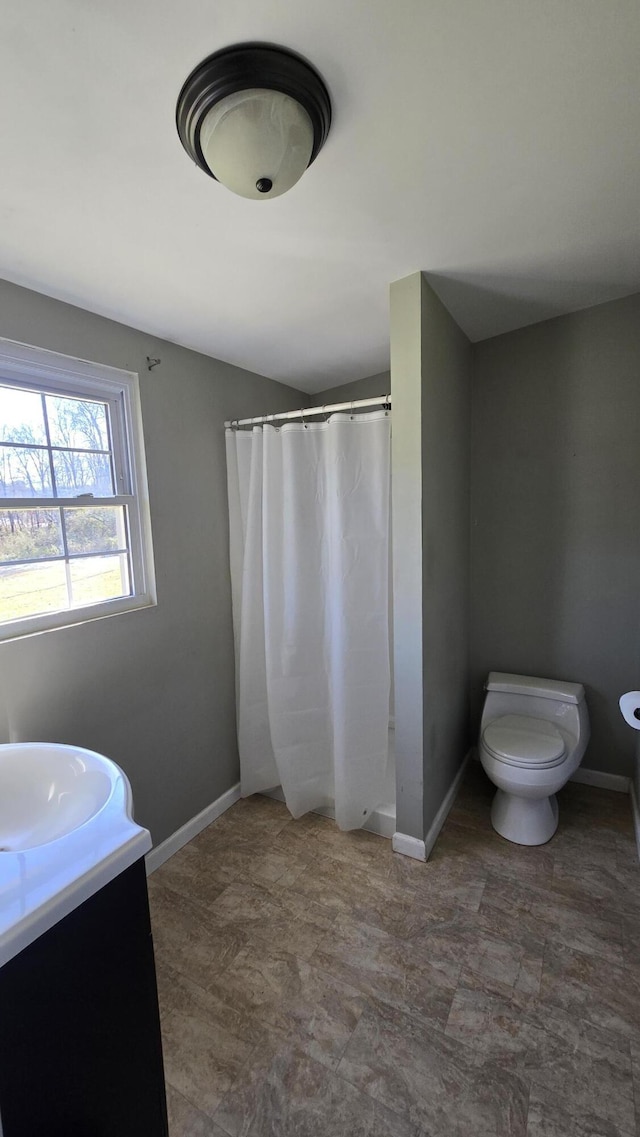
[(494, 144)]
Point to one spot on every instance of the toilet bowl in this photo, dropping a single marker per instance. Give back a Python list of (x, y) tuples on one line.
[(533, 735)]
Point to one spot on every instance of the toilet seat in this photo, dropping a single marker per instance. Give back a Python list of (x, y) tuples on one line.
[(518, 740)]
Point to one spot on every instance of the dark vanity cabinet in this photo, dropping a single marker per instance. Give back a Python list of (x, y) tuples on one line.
[(80, 1049)]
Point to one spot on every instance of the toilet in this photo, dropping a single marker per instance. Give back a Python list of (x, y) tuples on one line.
[(533, 735)]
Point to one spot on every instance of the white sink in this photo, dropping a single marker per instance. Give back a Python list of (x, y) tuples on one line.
[(66, 830), (47, 791)]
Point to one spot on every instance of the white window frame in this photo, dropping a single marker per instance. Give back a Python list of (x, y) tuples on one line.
[(37, 369)]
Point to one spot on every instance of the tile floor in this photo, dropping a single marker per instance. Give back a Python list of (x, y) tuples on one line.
[(314, 984)]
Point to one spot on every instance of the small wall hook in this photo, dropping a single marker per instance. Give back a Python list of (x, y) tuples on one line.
[(152, 362)]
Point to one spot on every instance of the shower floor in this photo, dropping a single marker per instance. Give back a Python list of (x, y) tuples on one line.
[(383, 819)]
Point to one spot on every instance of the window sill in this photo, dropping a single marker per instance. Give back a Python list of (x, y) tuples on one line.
[(75, 617)]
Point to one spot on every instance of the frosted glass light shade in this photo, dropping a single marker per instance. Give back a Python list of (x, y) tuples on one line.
[(257, 136)]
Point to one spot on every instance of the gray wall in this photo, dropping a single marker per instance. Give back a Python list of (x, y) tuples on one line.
[(430, 386), (406, 514), (556, 512), (368, 388), (153, 689), (446, 411)]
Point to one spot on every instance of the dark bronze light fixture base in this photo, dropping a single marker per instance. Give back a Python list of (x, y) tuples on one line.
[(246, 66)]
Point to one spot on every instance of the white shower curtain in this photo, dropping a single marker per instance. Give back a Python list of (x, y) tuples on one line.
[(309, 537)]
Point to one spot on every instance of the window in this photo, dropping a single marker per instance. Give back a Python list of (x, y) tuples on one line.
[(75, 541)]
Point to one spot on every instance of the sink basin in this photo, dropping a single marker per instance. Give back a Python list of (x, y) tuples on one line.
[(48, 791), (66, 830)]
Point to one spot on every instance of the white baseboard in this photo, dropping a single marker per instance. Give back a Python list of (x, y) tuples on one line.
[(382, 821), (420, 850), (441, 815), (187, 832), (601, 779), (409, 846), (635, 809)]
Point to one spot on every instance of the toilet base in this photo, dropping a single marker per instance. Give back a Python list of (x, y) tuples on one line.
[(524, 820)]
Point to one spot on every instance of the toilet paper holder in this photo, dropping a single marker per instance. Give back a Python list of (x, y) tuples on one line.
[(630, 708)]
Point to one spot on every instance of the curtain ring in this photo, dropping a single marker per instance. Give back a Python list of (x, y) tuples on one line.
[(352, 411), (302, 417)]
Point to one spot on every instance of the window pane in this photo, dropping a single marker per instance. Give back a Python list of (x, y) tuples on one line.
[(99, 578), (95, 530), (28, 590), (24, 472), (78, 473), (29, 533), (77, 423), (21, 417)]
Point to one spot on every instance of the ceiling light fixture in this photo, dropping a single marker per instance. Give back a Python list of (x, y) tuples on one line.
[(253, 117)]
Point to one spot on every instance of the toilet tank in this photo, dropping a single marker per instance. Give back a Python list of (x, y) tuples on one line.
[(557, 702)]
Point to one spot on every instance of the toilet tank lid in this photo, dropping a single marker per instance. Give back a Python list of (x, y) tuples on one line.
[(529, 685)]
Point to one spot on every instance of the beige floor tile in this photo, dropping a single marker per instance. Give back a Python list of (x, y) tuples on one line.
[(589, 1068), (313, 983), (443, 884), (187, 937), (587, 808), (631, 942), (236, 858), (635, 1067), (551, 1116), (591, 1077), (201, 1059), (284, 1093), (442, 1086), (402, 973), (275, 916), (579, 923), (316, 836), (498, 966), (627, 851), (318, 1011), (472, 806), (374, 900), (473, 848), (337, 885), (177, 993), (487, 1023), (604, 995), (608, 885), (180, 871), (576, 841), (492, 952), (251, 818), (187, 1121)]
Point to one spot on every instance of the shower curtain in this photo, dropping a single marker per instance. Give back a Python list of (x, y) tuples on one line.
[(309, 548)]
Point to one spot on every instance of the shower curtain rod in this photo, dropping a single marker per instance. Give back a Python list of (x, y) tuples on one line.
[(329, 409)]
